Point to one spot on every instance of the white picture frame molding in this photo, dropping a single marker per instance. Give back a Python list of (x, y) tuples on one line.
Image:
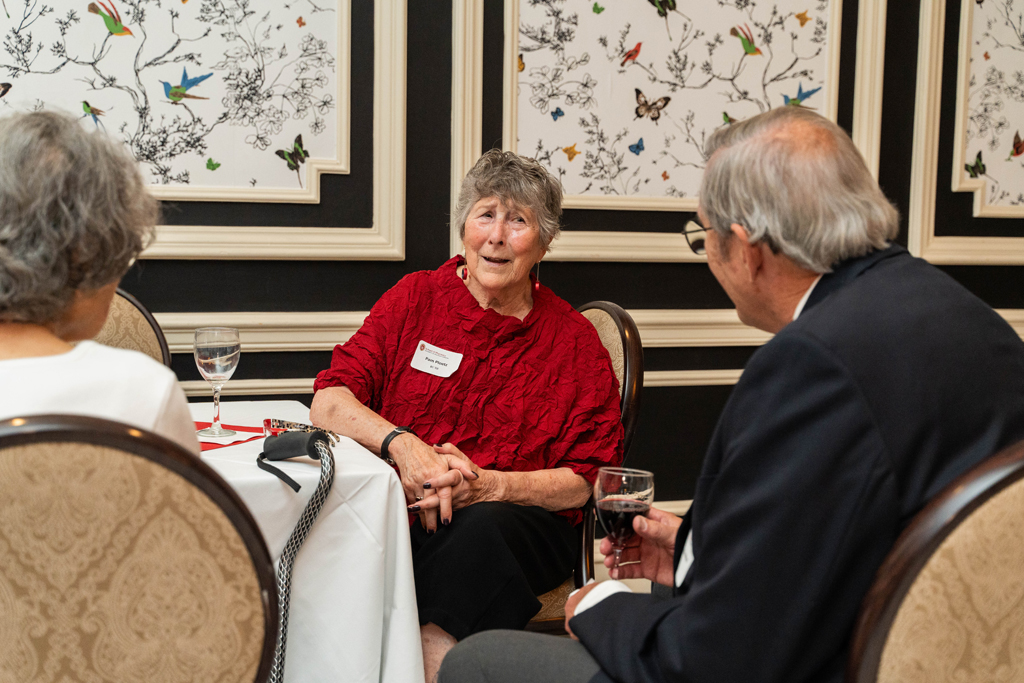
[(385, 240), (581, 245), (979, 186), (921, 238)]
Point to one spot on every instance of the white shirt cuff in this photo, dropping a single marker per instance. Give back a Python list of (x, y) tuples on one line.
[(603, 590), (685, 560)]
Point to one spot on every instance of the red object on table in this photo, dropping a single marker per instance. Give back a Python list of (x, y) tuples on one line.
[(207, 446)]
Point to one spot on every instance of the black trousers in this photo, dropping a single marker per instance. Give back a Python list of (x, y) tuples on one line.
[(484, 570)]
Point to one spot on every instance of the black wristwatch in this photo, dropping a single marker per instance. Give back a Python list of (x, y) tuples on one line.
[(387, 442)]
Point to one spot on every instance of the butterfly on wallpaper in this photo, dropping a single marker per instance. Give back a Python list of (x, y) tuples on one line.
[(556, 113), (977, 169), (597, 8), (4, 88), (664, 175), (301, 22), (1018, 146), (652, 109), (979, 2), (522, 64), (294, 156), (571, 151), (638, 147), (802, 18), (211, 164)]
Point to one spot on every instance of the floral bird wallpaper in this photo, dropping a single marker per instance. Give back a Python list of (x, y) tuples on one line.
[(992, 107), (618, 97), (226, 95)]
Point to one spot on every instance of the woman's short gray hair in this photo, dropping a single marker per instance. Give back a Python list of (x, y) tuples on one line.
[(794, 179), (514, 180), (74, 214)]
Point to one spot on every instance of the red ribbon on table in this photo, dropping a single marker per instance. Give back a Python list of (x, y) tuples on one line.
[(208, 446)]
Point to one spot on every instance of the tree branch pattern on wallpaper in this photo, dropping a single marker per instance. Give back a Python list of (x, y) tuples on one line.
[(618, 98), (994, 108), (203, 93)]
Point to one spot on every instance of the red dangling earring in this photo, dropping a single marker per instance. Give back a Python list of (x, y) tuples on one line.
[(464, 274), (536, 283)]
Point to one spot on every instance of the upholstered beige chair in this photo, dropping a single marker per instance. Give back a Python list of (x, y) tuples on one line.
[(125, 558), (619, 335), (131, 326), (947, 605)]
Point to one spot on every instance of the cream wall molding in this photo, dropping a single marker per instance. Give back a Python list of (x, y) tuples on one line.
[(633, 246), (250, 387), (385, 240), (320, 331), (304, 385), (315, 167), (921, 239)]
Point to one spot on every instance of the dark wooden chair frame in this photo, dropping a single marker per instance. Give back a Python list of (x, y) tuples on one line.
[(631, 389), (163, 452), (915, 546), (632, 384), (165, 351)]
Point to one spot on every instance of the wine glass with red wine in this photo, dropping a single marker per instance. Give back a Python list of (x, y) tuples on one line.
[(620, 495)]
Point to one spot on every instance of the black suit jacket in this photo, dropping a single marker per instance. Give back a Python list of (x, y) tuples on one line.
[(893, 381)]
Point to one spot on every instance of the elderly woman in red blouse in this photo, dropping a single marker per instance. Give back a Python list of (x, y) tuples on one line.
[(495, 400)]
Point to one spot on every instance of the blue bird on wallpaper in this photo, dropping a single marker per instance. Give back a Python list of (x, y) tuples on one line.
[(175, 93), (556, 113), (800, 96), (638, 147)]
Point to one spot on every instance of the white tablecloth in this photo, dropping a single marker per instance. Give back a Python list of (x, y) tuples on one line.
[(353, 602)]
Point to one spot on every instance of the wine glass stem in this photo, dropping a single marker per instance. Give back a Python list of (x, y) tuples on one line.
[(618, 555), (216, 407)]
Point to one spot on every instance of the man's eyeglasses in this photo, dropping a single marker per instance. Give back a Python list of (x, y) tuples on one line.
[(695, 235)]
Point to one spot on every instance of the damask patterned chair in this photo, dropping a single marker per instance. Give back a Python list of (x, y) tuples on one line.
[(131, 326), (125, 558), (620, 336), (947, 604)]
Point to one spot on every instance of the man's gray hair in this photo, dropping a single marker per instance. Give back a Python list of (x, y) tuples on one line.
[(74, 214), (794, 179), (517, 181)]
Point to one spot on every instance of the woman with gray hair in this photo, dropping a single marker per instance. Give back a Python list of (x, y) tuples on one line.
[(74, 215), (514, 387)]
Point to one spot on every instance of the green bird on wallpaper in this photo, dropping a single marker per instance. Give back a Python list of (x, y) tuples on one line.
[(94, 112), (728, 119), (176, 93), (746, 38), (111, 18)]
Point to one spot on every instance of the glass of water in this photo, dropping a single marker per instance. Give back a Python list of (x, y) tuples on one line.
[(216, 350)]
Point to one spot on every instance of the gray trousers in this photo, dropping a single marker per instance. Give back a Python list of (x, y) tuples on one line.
[(517, 657)]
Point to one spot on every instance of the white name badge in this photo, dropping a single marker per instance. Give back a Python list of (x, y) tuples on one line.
[(434, 360)]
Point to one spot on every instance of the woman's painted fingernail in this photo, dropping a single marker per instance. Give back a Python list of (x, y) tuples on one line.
[(414, 508), (475, 475), (437, 445), (426, 484), (446, 522)]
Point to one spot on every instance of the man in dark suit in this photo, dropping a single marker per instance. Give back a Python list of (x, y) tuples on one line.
[(885, 380)]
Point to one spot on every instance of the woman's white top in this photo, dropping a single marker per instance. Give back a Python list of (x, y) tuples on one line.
[(99, 381)]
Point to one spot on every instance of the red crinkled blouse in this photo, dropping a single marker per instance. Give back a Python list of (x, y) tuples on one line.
[(528, 395)]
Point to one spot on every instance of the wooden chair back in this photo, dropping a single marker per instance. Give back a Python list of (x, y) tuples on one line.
[(131, 326), (947, 605), (619, 335), (125, 558)]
